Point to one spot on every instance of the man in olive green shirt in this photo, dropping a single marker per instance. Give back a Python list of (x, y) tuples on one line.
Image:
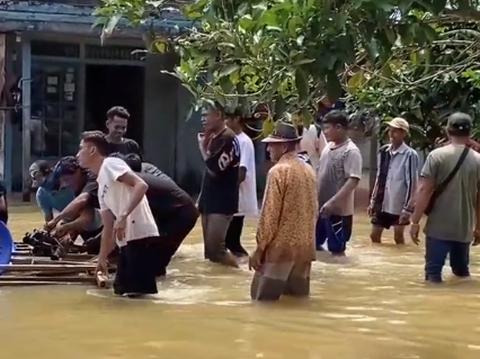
[(453, 222)]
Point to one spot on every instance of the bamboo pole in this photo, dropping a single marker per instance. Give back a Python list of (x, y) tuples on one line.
[(40, 260), (76, 279), (21, 283), (45, 267)]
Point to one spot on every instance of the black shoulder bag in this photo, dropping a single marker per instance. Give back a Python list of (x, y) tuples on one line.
[(442, 186)]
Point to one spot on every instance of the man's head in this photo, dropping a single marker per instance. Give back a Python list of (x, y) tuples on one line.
[(93, 146), (39, 172), (213, 117), (335, 126), (283, 139), (69, 171), (117, 122), (132, 160), (459, 125), (234, 121), (398, 130)]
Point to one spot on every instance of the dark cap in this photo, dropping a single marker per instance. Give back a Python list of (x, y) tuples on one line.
[(283, 132), (460, 121), (66, 166)]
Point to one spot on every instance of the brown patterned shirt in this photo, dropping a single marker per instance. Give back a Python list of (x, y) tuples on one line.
[(286, 228)]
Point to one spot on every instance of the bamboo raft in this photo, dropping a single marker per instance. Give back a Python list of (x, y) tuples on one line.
[(25, 269)]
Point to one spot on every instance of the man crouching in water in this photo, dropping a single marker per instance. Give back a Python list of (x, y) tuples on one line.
[(174, 211), (286, 227), (81, 216), (126, 217)]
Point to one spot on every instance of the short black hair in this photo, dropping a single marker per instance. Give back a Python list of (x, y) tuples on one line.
[(132, 160), (336, 117), (118, 111), (98, 139), (214, 105)]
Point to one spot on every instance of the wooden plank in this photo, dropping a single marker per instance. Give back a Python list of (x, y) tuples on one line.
[(21, 283), (44, 267), (75, 279)]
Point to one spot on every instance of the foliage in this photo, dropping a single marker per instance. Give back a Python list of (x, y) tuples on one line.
[(288, 53)]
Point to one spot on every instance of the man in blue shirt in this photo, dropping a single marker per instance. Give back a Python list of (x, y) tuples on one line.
[(52, 196)]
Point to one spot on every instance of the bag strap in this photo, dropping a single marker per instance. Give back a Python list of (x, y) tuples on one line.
[(442, 186)]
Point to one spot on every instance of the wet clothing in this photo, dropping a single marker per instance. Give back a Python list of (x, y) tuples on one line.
[(215, 227), (219, 193), (436, 252), (136, 268), (3, 212), (285, 234), (234, 235), (125, 147), (386, 220), (335, 231)]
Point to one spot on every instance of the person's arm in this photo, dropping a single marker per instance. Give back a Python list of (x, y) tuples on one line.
[(353, 171), (425, 188), (375, 187), (3, 193), (43, 201), (411, 174), (107, 241), (118, 170), (271, 208), (73, 209)]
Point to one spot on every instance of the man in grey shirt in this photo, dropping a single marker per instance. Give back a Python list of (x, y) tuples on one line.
[(453, 219), (339, 172)]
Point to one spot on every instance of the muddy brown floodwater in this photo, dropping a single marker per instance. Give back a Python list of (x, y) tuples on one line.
[(374, 307)]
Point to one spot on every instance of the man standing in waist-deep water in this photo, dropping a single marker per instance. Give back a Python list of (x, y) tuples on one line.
[(126, 217), (174, 211), (448, 193), (339, 172), (286, 227), (117, 124), (247, 203), (218, 200)]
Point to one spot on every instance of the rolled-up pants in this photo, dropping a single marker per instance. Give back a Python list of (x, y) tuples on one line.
[(215, 227)]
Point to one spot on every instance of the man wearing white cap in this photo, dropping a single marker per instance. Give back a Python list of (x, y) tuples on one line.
[(397, 175)]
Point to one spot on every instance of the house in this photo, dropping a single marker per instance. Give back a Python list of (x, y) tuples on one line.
[(68, 81)]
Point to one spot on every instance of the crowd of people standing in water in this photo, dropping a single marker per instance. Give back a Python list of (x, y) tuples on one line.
[(117, 203)]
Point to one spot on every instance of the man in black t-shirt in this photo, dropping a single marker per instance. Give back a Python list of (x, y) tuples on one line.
[(117, 123), (3, 203), (218, 200), (81, 216), (174, 211)]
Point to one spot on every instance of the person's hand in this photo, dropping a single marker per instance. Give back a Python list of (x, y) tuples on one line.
[(327, 209), (255, 260), (119, 227), (52, 224), (476, 237), (414, 231), (102, 265), (61, 230), (370, 211), (404, 218)]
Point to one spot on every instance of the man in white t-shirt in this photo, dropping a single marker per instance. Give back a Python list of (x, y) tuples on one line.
[(126, 217), (247, 203), (313, 142)]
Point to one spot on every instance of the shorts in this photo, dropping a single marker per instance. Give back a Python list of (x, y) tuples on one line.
[(277, 279), (336, 231), (385, 220), (215, 227), (136, 268)]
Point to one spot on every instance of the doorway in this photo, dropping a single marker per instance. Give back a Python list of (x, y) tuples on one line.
[(107, 86)]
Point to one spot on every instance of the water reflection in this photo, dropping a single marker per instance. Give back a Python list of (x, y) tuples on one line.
[(373, 307)]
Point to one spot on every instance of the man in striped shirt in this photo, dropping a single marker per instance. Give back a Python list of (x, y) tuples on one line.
[(397, 175)]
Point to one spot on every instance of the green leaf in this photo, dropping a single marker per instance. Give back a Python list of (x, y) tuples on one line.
[(228, 70), (246, 22)]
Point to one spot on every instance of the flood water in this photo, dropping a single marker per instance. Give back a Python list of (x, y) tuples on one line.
[(374, 307)]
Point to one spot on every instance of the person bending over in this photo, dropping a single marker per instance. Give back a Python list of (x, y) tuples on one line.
[(52, 195), (174, 211), (126, 218), (81, 216)]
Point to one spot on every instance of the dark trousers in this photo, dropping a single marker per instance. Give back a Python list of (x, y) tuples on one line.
[(436, 251), (136, 268), (172, 233), (233, 237), (336, 231)]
